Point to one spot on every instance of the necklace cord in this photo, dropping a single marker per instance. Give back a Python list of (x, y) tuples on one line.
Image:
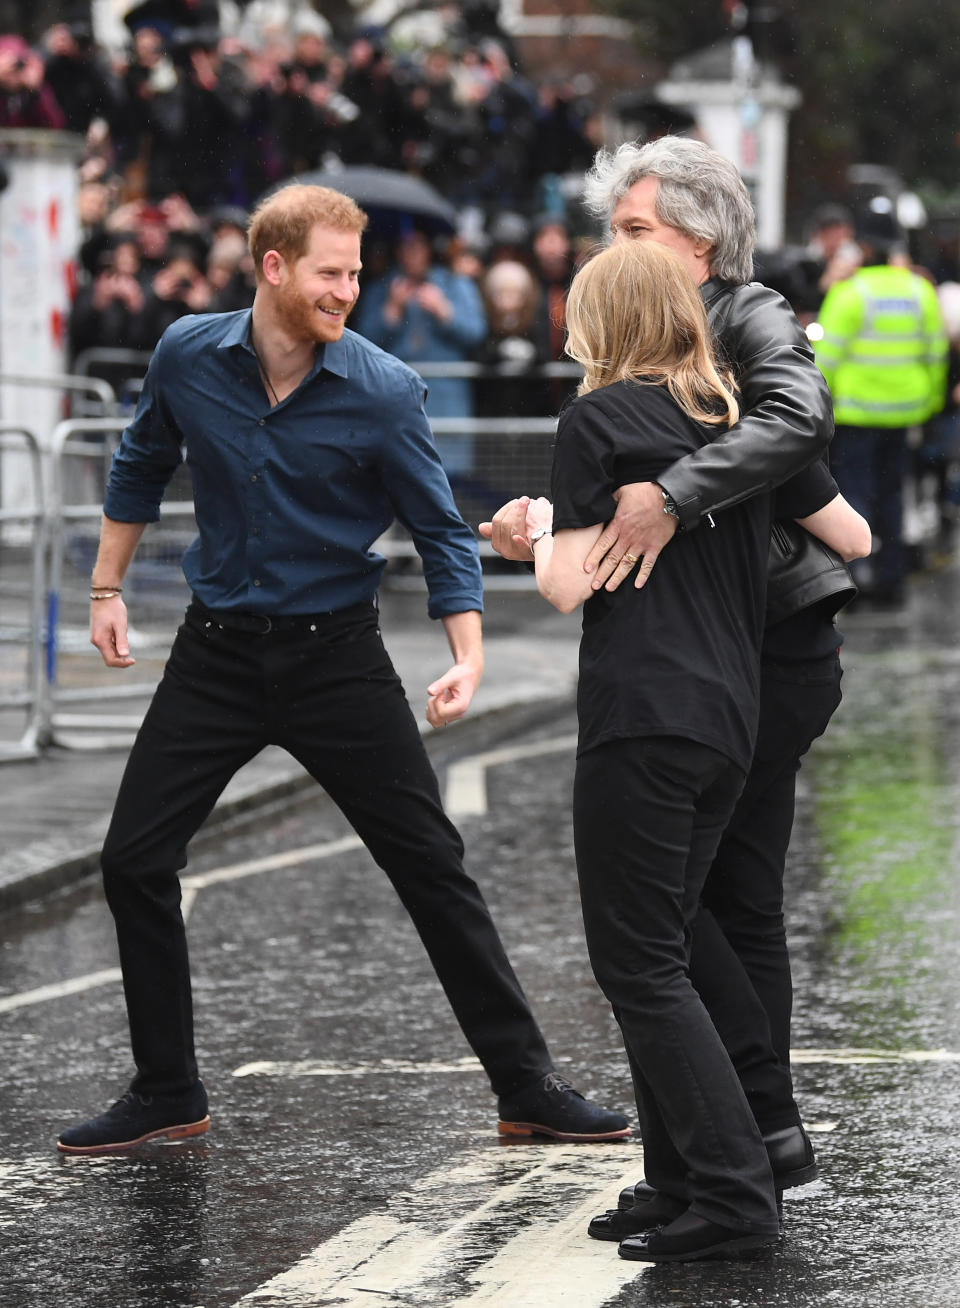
[(263, 371)]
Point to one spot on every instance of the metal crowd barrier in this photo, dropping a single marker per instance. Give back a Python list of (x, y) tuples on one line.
[(134, 363), (462, 368), (82, 705), (124, 369), (488, 461), (70, 383), (85, 705), (23, 536)]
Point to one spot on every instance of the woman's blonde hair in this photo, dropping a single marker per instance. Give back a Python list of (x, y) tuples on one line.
[(634, 314)]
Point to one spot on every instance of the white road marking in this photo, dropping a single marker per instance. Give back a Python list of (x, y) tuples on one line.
[(271, 862), (387, 1066), (466, 793), (57, 990), (866, 1056), (192, 886), (384, 1066), (473, 1233)]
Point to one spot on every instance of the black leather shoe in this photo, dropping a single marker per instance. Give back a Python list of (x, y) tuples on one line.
[(691, 1238), (552, 1107), (630, 1195), (791, 1158), (618, 1223)]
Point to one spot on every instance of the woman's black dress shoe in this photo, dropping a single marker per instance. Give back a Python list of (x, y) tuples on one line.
[(618, 1223), (690, 1238), (631, 1195)]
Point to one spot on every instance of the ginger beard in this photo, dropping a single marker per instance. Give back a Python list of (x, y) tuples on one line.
[(305, 319)]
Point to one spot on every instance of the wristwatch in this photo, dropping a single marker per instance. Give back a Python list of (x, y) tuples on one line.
[(541, 531), (670, 507)]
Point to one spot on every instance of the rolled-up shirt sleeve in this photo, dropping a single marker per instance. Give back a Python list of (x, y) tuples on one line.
[(421, 498), (149, 453)]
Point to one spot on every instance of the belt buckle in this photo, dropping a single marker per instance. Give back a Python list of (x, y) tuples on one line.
[(269, 627)]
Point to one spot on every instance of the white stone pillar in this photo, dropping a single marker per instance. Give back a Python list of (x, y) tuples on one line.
[(39, 234)]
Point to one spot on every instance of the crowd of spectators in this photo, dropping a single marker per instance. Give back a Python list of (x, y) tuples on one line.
[(220, 118), (188, 126), (426, 297)]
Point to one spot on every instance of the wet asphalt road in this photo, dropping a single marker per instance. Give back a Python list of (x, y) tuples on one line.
[(350, 1120)]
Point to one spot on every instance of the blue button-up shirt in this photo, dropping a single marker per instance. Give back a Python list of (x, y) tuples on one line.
[(289, 500)]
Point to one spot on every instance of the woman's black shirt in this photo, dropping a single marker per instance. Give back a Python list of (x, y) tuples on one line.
[(681, 656)]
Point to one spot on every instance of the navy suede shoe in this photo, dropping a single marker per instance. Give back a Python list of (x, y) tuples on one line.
[(551, 1106), (135, 1119)]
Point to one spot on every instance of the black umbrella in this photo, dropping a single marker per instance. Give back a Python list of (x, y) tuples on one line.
[(392, 199)]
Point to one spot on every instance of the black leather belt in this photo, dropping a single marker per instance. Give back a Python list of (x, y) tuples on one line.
[(264, 624)]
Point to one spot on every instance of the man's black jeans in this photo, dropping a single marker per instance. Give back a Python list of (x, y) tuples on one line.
[(648, 815), (739, 951), (330, 697)]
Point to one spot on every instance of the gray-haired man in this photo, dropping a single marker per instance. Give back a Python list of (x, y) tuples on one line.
[(682, 194)]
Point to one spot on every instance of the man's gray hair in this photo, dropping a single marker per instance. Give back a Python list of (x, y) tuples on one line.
[(699, 192)]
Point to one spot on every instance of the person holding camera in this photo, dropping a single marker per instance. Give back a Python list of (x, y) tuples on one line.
[(75, 71), (26, 100), (109, 311), (178, 288)]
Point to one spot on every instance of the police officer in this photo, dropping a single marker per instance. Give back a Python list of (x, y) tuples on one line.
[(884, 356)]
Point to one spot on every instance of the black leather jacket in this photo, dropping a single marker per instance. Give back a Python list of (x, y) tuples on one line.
[(801, 572), (788, 414), (787, 423)]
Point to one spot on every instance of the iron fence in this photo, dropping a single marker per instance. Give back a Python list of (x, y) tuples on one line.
[(23, 532)]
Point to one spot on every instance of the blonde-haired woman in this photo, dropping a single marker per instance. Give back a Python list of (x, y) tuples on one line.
[(667, 706)]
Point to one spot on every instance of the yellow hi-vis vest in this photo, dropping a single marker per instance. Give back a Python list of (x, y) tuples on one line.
[(884, 349)]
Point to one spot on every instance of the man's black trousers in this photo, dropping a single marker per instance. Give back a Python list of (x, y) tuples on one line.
[(331, 697), (739, 954)]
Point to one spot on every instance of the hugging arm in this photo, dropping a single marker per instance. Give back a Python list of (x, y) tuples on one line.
[(839, 525), (787, 422)]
